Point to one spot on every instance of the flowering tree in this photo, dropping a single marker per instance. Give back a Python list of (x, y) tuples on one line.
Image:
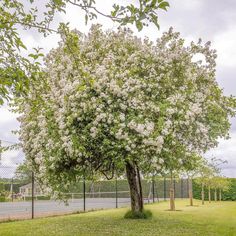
[(111, 102)]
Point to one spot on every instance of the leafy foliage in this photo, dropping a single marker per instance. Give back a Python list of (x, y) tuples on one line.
[(228, 194), (23, 173), (139, 12), (16, 71)]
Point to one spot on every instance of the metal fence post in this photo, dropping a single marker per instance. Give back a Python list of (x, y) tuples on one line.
[(182, 189), (32, 197), (153, 190), (187, 187), (158, 200), (116, 194), (84, 197), (12, 191), (174, 188), (164, 189)]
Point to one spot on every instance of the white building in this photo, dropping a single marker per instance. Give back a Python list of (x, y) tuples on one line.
[(26, 190)]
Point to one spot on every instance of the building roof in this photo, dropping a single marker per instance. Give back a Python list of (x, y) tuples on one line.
[(28, 186)]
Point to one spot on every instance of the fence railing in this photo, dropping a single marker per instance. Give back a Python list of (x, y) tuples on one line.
[(20, 199), (25, 199)]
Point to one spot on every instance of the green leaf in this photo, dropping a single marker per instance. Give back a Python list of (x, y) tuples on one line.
[(116, 9), (154, 19), (153, 3), (164, 5), (139, 25)]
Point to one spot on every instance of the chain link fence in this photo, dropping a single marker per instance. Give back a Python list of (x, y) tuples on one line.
[(23, 199)]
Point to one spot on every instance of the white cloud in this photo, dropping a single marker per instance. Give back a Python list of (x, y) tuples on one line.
[(8, 123), (226, 150), (9, 156), (6, 115), (225, 43)]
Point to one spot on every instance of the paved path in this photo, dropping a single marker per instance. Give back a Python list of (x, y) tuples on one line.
[(21, 210)]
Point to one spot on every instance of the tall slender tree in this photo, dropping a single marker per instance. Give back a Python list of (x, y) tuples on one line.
[(204, 174)]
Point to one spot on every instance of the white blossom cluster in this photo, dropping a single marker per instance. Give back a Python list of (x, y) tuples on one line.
[(111, 97)]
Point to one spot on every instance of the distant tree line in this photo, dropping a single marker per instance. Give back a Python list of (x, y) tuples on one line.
[(228, 193)]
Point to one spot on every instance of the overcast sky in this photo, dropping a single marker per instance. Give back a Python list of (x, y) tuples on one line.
[(207, 19)]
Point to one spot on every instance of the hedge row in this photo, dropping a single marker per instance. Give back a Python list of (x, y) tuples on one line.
[(180, 186), (229, 195), (7, 186)]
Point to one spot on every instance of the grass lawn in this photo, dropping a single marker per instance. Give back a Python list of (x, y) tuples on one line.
[(211, 219)]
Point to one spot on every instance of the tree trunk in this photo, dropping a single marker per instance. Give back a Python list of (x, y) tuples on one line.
[(203, 194), (220, 196), (209, 194), (140, 187), (135, 186), (215, 193), (172, 194), (190, 191)]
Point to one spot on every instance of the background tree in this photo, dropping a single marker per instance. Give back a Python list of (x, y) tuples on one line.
[(23, 173), (223, 185), (192, 171), (174, 165), (215, 184), (109, 101), (209, 186), (205, 172), (213, 181)]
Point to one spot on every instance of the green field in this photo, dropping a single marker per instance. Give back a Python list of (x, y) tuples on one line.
[(212, 219)]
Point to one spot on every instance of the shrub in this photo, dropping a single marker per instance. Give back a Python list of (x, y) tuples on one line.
[(145, 214), (2, 199)]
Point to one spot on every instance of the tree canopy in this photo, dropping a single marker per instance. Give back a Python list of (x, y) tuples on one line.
[(109, 99)]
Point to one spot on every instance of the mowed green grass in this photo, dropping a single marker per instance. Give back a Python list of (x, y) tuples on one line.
[(211, 219)]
